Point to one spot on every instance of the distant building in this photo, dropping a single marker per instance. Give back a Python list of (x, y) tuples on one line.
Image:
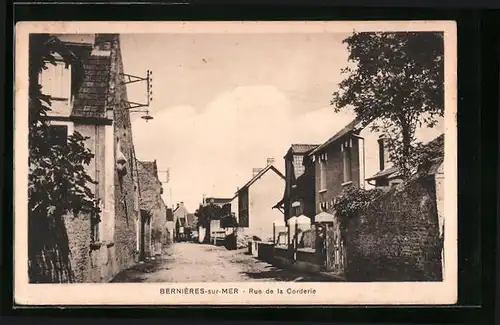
[(170, 225), (181, 220), (298, 197), (256, 199), (153, 210)]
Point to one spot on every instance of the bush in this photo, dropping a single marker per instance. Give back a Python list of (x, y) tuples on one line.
[(352, 201)]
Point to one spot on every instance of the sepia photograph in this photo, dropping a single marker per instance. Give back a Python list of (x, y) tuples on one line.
[(236, 162)]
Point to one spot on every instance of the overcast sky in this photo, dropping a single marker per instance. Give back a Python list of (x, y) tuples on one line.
[(223, 103)]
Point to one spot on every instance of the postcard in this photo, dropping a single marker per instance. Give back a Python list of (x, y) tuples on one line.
[(242, 163)]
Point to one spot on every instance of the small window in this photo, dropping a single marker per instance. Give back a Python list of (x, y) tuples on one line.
[(322, 171), (346, 153), (381, 153), (95, 235), (58, 134), (56, 81)]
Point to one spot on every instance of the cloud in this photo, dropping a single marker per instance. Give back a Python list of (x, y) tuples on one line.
[(213, 151)]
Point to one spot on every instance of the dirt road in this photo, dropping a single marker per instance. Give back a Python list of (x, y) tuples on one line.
[(191, 262)]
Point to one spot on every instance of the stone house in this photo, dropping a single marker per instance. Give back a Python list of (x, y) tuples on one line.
[(298, 197), (90, 97), (153, 210), (180, 219), (256, 199), (170, 225)]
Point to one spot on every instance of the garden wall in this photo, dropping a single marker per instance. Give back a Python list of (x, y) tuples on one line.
[(396, 238), (265, 252)]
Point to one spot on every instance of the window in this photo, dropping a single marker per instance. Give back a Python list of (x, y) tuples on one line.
[(56, 81), (322, 166), (95, 221), (346, 156), (381, 153), (58, 134), (298, 166)]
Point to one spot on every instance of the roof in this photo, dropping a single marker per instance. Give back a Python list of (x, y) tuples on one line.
[(219, 200), (151, 167), (436, 150), (279, 204), (180, 211), (384, 173), (90, 100), (260, 174), (349, 128), (302, 148)]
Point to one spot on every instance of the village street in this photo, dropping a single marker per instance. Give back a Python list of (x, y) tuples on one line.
[(191, 262)]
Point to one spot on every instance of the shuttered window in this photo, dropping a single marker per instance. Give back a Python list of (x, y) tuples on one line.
[(56, 81)]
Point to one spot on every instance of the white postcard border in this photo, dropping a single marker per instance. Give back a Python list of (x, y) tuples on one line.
[(444, 292)]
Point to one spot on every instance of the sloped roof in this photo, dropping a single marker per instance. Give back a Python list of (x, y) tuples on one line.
[(180, 211), (434, 147), (219, 200), (90, 99), (260, 174), (279, 204), (386, 173), (302, 148), (351, 127), (151, 167)]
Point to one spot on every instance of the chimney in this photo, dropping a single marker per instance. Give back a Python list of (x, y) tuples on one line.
[(270, 161), (103, 42)]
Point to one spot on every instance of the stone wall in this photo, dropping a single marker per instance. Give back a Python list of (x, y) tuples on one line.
[(397, 237), (265, 251), (126, 192), (309, 255), (150, 200), (58, 249)]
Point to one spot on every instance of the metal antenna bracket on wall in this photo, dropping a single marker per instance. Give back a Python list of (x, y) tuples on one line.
[(139, 107)]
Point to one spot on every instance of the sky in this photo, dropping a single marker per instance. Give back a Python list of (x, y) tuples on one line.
[(224, 103)]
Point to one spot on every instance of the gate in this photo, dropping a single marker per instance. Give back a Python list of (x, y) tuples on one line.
[(334, 250)]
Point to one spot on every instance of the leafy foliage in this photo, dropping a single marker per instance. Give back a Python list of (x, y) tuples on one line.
[(396, 81), (58, 182), (207, 213), (352, 201)]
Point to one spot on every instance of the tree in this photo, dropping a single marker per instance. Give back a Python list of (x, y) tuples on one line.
[(396, 82), (58, 181), (207, 213)]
